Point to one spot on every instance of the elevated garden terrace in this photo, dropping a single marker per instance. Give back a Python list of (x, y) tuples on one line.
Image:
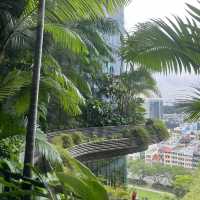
[(107, 142), (103, 149)]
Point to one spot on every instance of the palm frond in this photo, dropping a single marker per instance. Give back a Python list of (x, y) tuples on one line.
[(30, 7), (79, 81), (190, 106), (162, 46), (140, 82), (66, 38), (193, 11), (45, 149), (107, 26), (13, 82), (81, 9), (63, 90)]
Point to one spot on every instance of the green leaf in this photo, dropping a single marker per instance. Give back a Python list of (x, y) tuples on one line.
[(13, 82)]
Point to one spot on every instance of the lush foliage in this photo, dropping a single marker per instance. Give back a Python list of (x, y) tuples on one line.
[(73, 40), (119, 99), (71, 83)]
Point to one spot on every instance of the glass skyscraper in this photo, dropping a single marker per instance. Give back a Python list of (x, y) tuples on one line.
[(154, 108), (115, 67)]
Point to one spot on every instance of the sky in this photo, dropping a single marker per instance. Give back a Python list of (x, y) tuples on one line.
[(171, 86)]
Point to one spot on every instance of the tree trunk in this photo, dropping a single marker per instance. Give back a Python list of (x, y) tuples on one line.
[(32, 117)]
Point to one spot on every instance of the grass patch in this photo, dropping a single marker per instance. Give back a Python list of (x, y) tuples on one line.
[(151, 195)]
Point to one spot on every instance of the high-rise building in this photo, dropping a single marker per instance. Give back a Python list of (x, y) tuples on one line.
[(154, 108), (114, 41)]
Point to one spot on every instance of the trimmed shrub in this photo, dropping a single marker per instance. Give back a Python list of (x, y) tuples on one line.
[(140, 136), (77, 138), (67, 141), (157, 130)]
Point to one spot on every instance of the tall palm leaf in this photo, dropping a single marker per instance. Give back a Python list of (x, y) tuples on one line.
[(57, 14), (80, 180), (166, 45)]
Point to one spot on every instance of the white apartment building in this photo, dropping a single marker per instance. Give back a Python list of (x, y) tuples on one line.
[(177, 157), (173, 153)]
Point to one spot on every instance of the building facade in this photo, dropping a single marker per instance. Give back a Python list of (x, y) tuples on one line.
[(177, 151), (114, 41), (154, 108)]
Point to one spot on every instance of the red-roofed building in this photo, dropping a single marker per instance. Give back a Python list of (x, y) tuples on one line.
[(165, 154), (166, 149), (156, 158)]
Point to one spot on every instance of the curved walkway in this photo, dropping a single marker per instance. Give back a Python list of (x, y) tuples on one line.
[(104, 149)]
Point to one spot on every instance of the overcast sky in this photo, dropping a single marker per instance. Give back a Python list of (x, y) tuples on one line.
[(143, 10)]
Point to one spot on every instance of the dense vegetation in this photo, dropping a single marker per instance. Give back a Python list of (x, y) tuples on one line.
[(142, 135), (73, 52), (68, 91), (63, 85)]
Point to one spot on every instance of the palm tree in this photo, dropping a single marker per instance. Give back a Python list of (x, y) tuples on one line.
[(76, 66), (32, 117), (77, 11), (168, 46), (82, 9)]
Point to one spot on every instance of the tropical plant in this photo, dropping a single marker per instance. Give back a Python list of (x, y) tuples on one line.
[(168, 46), (73, 181), (163, 46), (18, 33), (190, 105), (139, 135), (59, 33), (99, 113), (125, 93)]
